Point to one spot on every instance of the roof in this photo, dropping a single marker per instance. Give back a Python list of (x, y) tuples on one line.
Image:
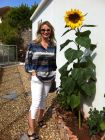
[(4, 10), (39, 8)]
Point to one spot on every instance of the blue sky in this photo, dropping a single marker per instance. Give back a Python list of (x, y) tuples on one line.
[(16, 3)]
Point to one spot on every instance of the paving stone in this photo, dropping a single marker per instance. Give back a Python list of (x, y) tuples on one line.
[(24, 137), (10, 96)]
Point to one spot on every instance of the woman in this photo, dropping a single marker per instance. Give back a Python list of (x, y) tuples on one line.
[(41, 63)]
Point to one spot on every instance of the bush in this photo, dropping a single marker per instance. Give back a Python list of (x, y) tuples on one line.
[(96, 121)]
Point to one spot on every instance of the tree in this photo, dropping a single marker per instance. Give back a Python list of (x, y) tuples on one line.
[(14, 23), (8, 35), (19, 17)]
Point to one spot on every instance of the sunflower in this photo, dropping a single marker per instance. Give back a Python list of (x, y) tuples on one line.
[(74, 18)]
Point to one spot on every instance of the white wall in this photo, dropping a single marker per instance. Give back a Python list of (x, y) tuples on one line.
[(0, 20), (55, 11)]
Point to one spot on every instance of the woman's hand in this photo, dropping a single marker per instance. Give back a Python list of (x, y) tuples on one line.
[(33, 73)]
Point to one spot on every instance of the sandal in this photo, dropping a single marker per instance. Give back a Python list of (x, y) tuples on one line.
[(34, 136), (42, 124)]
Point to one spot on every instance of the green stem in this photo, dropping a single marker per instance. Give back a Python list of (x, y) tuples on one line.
[(78, 50), (79, 115), (79, 118)]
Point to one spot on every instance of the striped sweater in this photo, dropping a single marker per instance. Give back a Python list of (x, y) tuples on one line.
[(40, 59)]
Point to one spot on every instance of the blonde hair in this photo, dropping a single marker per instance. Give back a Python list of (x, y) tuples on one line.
[(38, 33)]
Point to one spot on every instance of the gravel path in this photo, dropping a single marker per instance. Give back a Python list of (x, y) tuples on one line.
[(14, 127), (14, 111)]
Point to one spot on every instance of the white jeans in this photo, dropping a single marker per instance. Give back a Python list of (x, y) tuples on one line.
[(39, 91)]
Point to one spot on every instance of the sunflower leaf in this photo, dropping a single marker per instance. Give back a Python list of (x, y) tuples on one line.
[(74, 101), (88, 26), (92, 46), (89, 88), (63, 69), (69, 85), (66, 32), (83, 41), (66, 26), (65, 44), (83, 34), (71, 54)]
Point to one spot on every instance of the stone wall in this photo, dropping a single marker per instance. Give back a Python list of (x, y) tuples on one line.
[(26, 36)]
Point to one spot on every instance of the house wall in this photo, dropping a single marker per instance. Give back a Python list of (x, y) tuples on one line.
[(0, 20), (54, 11)]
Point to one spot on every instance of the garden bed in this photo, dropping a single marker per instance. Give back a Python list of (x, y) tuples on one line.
[(69, 122)]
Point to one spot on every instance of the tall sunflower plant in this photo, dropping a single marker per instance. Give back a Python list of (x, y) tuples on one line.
[(80, 79)]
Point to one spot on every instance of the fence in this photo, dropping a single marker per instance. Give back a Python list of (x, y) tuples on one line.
[(8, 54)]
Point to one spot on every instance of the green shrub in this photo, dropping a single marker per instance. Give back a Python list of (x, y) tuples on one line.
[(96, 121)]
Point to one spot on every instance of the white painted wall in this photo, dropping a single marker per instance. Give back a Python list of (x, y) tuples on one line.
[(0, 20), (55, 11)]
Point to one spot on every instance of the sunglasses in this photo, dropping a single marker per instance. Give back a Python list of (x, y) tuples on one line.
[(47, 30)]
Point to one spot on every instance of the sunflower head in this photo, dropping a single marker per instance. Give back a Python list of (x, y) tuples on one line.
[(74, 18)]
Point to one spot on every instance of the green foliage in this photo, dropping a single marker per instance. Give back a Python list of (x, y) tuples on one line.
[(7, 34), (33, 7), (80, 78), (102, 125), (96, 121), (14, 22), (19, 17)]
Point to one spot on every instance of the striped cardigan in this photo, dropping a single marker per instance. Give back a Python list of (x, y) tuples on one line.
[(40, 59)]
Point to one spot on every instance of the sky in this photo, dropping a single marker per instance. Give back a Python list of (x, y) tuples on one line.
[(16, 3)]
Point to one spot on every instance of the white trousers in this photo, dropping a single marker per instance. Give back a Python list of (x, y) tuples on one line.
[(39, 91)]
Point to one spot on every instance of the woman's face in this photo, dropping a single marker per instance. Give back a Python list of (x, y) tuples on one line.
[(45, 31)]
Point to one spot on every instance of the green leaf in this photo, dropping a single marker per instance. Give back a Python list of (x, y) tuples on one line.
[(102, 126), (92, 46), (65, 44), (90, 62), (89, 26), (81, 75), (80, 65), (63, 69), (74, 101), (75, 73), (66, 32), (72, 54), (83, 41), (66, 26), (63, 79), (83, 34), (83, 64), (68, 100), (89, 88), (69, 85)]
